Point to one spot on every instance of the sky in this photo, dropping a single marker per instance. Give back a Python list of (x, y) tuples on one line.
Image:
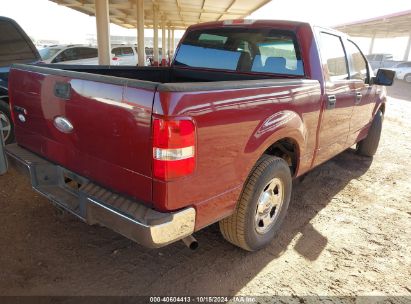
[(43, 19)]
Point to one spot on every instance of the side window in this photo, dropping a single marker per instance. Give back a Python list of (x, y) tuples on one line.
[(358, 66), (333, 57), (128, 51), (85, 53), (212, 39), (116, 52), (67, 55)]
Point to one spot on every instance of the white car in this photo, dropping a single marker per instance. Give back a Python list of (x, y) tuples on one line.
[(403, 71), (87, 55)]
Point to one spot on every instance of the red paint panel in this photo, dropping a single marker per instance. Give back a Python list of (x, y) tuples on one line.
[(110, 142), (234, 127)]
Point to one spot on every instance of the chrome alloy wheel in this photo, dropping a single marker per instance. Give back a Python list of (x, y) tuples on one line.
[(408, 78), (5, 126), (269, 205)]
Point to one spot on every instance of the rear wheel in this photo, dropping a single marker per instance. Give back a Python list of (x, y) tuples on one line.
[(262, 206), (369, 145), (407, 78), (6, 124)]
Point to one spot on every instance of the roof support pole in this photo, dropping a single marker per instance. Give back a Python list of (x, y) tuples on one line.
[(155, 35), (173, 46), (169, 44), (140, 33), (372, 43), (408, 48), (103, 31), (163, 43)]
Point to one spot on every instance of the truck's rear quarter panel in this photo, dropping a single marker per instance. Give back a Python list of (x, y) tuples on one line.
[(234, 127), (110, 143)]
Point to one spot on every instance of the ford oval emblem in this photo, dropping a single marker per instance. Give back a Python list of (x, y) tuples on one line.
[(63, 124)]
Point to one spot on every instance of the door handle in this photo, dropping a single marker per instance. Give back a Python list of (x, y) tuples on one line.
[(331, 101), (358, 97)]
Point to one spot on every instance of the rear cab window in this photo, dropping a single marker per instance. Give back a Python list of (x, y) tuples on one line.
[(123, 51), (243, 50)]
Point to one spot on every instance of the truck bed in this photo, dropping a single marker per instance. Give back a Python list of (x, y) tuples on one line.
[(114, 106)]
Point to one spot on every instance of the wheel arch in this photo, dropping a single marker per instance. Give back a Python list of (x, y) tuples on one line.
[(283, 135)]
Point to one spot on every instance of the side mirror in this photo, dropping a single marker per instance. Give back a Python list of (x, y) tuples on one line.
[(384, 77)]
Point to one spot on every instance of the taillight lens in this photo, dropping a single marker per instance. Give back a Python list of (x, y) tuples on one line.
[(173, 148)]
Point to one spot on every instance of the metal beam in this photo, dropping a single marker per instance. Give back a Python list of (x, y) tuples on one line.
[(163, 43), (372, 43), (155, 35), (173, 47), (140, 33), (179, 14), (227, 9), (408, 48), (169, 44), (103, 32)]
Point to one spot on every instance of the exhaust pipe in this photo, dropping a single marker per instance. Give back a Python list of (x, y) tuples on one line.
[(190, 242)]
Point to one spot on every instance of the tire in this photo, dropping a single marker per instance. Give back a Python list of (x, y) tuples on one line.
[(407, 78), (6, 123), (369, 145), (253, 228)]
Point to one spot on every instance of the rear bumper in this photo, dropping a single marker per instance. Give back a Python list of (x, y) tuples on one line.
[(96, 205)]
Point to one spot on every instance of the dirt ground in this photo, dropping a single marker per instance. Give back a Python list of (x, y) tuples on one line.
[(348, 232)]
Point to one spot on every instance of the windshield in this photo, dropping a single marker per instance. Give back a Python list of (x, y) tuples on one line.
[(241, 49), (48, 53)]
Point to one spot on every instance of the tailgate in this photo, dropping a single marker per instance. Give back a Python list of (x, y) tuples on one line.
[(97, 126)]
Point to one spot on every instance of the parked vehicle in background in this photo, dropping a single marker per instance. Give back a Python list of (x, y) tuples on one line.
[(150, 55), (15, 47), (381, 60), (157, 153), (403, 71), (88, 55), (70, 54), (125, 54)]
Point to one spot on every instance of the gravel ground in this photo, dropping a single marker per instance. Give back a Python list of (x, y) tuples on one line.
[(348, 232)]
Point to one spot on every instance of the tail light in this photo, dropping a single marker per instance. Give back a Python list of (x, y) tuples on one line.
[(115, 58), (173, 148)]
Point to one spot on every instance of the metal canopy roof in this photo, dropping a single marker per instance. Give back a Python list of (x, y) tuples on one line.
[(388, 26), (178, 14)]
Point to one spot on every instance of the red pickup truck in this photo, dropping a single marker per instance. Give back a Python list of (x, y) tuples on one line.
[(158, 153)]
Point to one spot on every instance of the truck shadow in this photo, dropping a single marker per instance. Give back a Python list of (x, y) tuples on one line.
[(62, 256), (218, 268)]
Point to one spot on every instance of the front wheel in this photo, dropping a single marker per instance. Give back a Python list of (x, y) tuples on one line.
[(407, 78), (6, 123), (262, 205)]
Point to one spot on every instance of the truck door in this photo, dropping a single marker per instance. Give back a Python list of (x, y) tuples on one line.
[(338, 97), (364, 94)]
